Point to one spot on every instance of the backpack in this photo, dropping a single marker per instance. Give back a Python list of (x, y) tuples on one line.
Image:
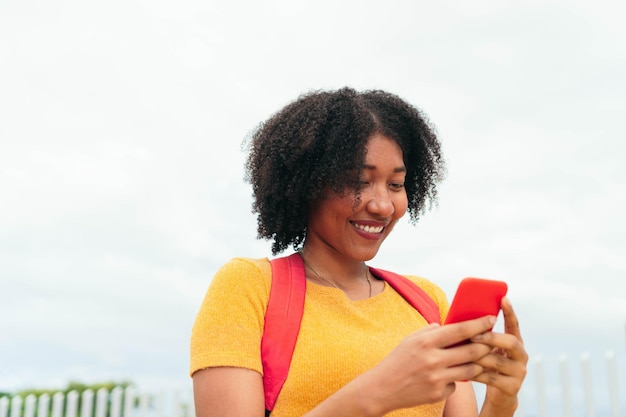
[(284, 314)]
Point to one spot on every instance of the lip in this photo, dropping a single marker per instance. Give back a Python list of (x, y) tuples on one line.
[(370, 223)]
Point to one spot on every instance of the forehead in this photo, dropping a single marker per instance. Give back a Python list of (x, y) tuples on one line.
[(382, 151)]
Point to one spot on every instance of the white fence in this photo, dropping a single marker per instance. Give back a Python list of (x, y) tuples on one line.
[(556, 388), (566, 394), (102, 403)]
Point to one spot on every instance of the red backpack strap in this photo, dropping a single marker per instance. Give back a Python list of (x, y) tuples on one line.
[(412, 293), (282, 323)]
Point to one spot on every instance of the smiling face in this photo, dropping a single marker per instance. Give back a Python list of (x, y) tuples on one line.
[(354, 226)]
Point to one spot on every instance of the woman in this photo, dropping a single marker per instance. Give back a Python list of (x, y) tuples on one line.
[(332, 173)]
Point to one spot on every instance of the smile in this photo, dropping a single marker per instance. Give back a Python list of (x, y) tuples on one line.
[(369, 229)]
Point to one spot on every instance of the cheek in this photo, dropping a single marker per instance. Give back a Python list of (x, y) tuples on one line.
[(401, 205)]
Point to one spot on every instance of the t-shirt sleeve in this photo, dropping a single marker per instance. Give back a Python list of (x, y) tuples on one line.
[(229, 325)]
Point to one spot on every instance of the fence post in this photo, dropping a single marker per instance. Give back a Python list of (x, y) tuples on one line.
[(72, 404), (611, 365), (102, 397), (129, 401), (566, 389), (16, 406), (29, 406), (87, 405), (4, 406), (587, 383), (57, 404), (116, 402), (43, 405), (541, 388)]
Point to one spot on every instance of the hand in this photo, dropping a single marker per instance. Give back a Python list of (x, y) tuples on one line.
[(505, 366), (422, 369)]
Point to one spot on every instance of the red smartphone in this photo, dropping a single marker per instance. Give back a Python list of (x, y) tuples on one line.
[(476, 297)]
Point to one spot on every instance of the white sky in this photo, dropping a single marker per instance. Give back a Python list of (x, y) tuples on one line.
[(121, 181)]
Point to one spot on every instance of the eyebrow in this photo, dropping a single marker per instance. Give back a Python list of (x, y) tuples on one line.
[(397, 169)]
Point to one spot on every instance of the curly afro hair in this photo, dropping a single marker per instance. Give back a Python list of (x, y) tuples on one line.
[(317, 142)]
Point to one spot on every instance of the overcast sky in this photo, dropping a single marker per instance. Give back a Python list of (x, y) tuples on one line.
[(121, 180)]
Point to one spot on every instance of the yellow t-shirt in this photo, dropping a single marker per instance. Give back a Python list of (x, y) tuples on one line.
[(339, 338)]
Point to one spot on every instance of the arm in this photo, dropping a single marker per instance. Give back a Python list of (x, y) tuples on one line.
[(238, 392), (462, 403), (225, 342), (423, 369), (419, 370), (227, 391)]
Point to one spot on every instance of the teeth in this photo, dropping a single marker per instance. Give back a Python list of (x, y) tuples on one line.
[(370, 229)]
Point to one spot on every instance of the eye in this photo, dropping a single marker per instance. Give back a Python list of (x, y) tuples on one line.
[(396, 186)]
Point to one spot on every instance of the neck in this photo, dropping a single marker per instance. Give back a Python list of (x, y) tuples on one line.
[(341, 270), (353, 278)]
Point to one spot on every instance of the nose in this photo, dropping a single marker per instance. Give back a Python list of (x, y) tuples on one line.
[(379, 202)]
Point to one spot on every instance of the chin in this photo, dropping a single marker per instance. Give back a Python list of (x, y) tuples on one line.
[(367, 255)]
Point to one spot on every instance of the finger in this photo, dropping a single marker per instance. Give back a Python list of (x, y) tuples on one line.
[(502, 365), (452, 334), (430, 327), (510, 385), (510, 344), (511, 323), (464, 372), (465, 353), (424, 330)]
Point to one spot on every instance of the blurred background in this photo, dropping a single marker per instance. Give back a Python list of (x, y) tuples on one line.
[(121, 178)]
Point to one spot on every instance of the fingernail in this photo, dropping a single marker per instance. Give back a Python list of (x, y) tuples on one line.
[(492, 320), (477, 337)]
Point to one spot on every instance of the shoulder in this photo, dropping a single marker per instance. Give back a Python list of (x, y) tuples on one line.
[(239, 290), (228, 327), (434, 291), (245, 268), (243, 276), (427, 285)]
